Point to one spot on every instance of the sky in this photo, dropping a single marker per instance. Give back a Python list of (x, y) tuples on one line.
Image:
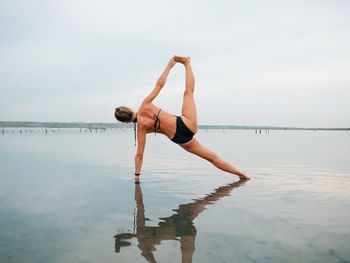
[(278, 63)]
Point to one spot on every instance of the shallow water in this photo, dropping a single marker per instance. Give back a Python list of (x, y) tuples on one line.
[(68, 196)]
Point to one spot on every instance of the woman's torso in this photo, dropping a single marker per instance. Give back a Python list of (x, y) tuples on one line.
[(146, 120)]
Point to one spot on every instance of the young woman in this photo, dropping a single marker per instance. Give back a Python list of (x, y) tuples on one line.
[(179, 129)]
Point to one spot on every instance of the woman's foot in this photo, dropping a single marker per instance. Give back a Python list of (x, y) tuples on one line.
[(182, 60), (244, 176)]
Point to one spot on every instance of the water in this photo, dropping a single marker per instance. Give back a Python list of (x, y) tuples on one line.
[(68, 196)]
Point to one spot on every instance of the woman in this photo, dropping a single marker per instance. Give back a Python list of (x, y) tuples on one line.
[(179, 129)]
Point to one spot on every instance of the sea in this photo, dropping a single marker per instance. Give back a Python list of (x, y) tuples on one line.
[(68, 195)]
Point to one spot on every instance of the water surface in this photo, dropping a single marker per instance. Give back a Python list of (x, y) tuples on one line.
[(68, 196)]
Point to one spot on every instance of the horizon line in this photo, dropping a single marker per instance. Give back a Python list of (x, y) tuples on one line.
[(38, 124)]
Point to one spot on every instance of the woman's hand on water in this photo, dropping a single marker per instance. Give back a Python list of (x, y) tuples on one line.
[(137, 179)]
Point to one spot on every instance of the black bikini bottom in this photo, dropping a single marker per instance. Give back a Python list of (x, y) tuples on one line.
[(182, 134)]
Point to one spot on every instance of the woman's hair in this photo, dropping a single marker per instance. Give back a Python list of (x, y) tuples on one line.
[(123, 114)]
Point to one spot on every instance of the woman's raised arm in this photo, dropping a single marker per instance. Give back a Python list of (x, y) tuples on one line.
[(160, 82)]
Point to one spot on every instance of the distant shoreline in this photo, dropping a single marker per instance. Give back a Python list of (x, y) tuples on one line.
[(101, 125)]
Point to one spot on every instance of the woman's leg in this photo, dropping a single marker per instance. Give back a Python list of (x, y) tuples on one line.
[(196, 148), (189, 113)]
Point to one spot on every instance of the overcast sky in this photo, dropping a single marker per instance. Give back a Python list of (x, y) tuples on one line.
[(256, 62)]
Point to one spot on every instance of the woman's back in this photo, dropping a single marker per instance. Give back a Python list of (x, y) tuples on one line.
[(147, 116)]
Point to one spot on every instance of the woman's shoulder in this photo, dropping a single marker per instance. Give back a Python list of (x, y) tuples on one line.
[(144, 113), (147, 107)]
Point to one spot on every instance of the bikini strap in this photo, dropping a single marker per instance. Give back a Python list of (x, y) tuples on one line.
[(156, 122)]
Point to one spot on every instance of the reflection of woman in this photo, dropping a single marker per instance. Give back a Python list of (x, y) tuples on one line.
[(178, 226), (179, 129)]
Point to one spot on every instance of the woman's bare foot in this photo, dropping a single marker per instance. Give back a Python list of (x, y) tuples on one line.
[(182, 60), (244, 176)]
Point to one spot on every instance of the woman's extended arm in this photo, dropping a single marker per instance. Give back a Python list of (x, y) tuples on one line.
[(141, 141), (160, 82)]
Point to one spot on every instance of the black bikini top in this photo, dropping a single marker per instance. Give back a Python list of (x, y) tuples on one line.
[(156, 122)]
